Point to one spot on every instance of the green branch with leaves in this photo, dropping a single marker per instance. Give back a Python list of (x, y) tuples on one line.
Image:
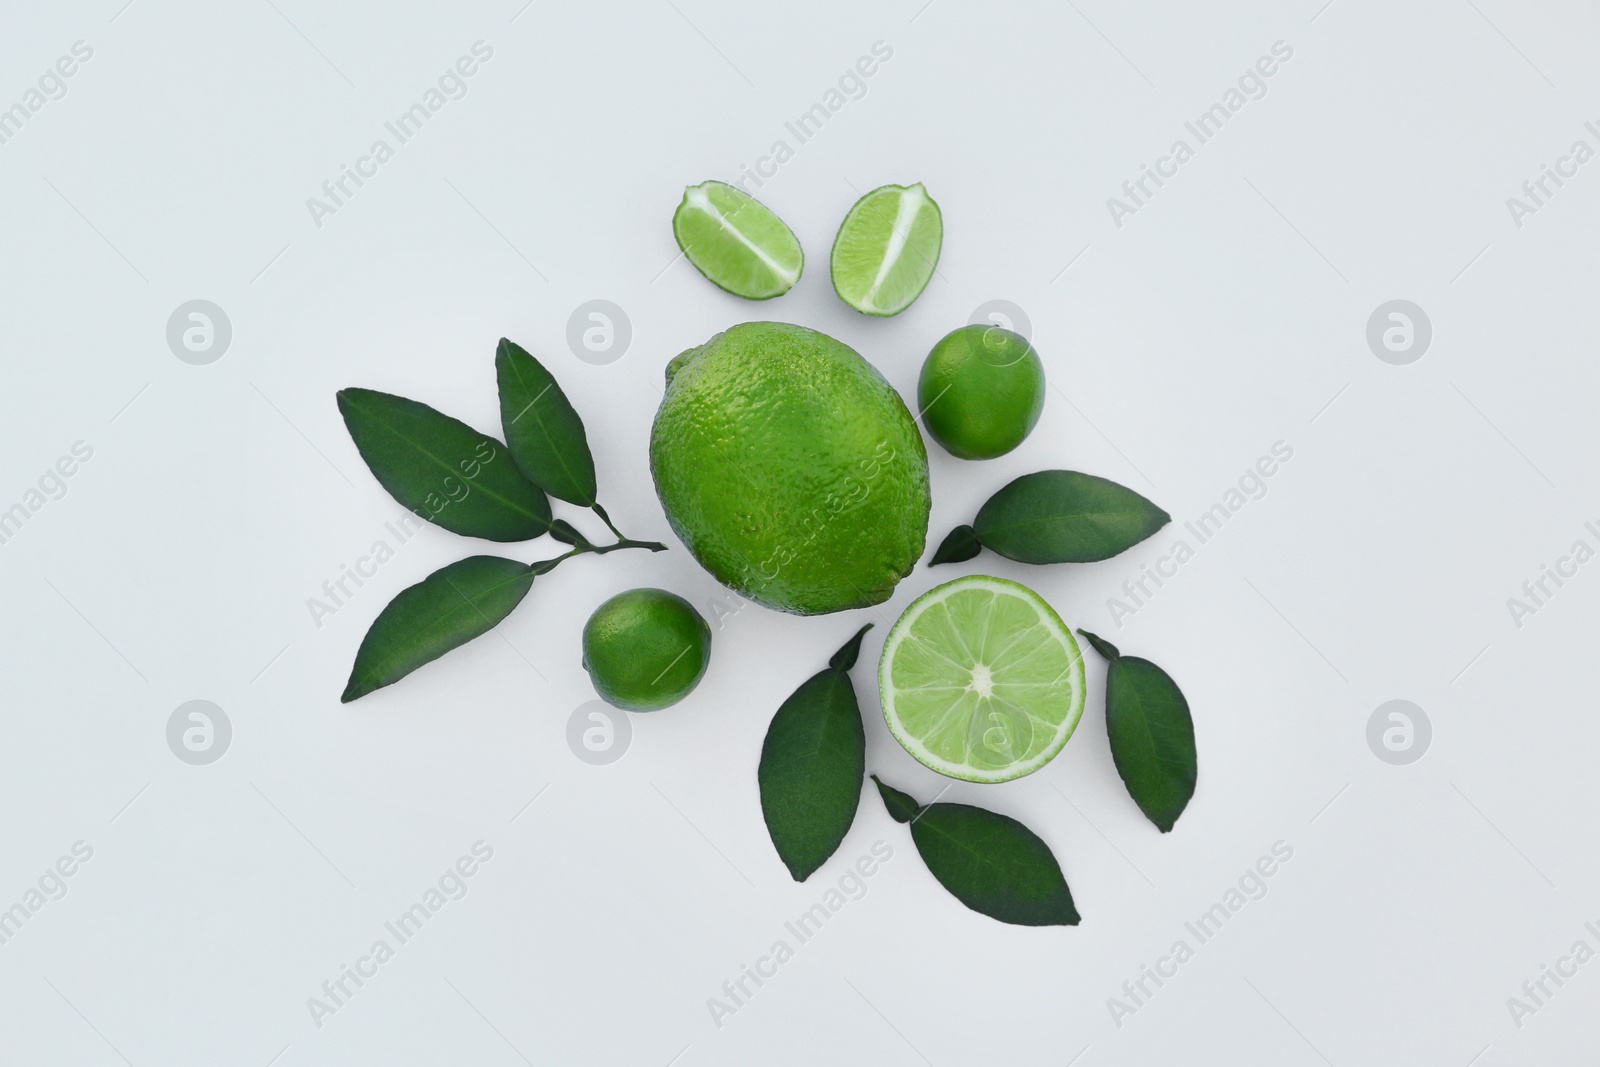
[(472, 484)]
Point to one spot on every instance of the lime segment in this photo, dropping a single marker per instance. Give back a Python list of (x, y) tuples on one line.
[(887, 248), (981, 680), (737, 242)]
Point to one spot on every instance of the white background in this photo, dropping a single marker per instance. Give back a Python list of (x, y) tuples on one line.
[(1229, 313)]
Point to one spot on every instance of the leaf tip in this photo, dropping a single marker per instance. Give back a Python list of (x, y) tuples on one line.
[(799, 874), (1165, 823), (1062, 911)]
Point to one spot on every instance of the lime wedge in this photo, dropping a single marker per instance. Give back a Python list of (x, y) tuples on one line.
[(981, 680), (886, 249), (737, 242)]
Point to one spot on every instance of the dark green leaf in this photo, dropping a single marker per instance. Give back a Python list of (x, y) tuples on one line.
[(811, 766), (1102, 646), (445, 610), (1152, 737), (442, 469), (961, 544), (991, 863), (545, 566), (1065, 517), (567, 534), (901, 807), (845, 658), (543, 431), (600, 511)]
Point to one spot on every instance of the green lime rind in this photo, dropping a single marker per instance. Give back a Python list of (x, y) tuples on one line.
[(645, 649), (981, 681), (981, 391), (886, 249), (791, 469), (737, 242)]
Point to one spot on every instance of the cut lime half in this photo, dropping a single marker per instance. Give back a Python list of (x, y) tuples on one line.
[(886, 249), (737, 242), (981, 680)]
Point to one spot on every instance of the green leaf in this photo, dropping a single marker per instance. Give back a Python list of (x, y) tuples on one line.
[(1065, 517), (845, 658), (991, 863), (442, 469), (1152, 735), (901, 807), (563, 531), (1102, 646), (812, 764), (445, 610), (543, 431), (961, 544)]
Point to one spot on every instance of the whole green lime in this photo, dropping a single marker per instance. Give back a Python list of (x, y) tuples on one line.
[(981, 391), (791, 469), (645, 649)]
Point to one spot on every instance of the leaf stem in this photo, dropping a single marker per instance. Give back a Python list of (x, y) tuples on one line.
[(623, 540), (600, 511), (545, 566), (627, 542)]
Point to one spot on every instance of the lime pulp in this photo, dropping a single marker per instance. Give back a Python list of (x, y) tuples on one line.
[(886, 249), (737, 242), (980, 680)]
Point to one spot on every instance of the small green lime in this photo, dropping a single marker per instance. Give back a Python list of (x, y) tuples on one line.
[(645, 649), (981, 391)]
